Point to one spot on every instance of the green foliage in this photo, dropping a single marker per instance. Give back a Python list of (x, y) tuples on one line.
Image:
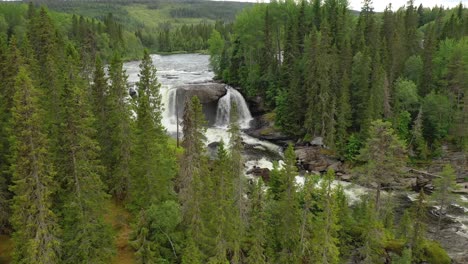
[(119, 143), (283, 229), (383, 69), (86, 236), (216, 47), (405, 257), (152, 170), (434, 253), (384, 155), (406, 95), (413, 69), (36, 228), (443, 195), (437, 116)]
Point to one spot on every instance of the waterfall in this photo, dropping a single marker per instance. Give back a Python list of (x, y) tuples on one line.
[(168, 99), (223, 111)]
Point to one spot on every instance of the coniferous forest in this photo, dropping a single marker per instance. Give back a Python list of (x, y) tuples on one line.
[(89, 174)]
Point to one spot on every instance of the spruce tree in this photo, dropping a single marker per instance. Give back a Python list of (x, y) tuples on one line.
[(443, 195), (98, 94), (86, 237), (10, 62), (191, 181), (35, 225), (219, 207), (307, 234), (257, 226), (371, 231), (343, 119), (239, 218), (326, 223), (284, 228), (120, 123), (418, 236), (152, 168), (384, 155)]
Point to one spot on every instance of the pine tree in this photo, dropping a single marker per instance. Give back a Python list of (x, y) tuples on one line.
[(36, 229), (345, 221)]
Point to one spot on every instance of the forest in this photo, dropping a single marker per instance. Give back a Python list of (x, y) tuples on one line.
[(88, 173), (407, 66)]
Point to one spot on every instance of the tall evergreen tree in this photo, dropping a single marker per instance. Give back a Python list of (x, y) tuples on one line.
[(191, 180), (326, 223), (35, 224), (257, 226), (284, 228), (418, 236), (239, 218), (86, 237), (384, 155), (120, 123), (152, 170), (443, 195), (9, 66)]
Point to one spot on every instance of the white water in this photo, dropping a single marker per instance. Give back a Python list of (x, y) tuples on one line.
[(223, 113)]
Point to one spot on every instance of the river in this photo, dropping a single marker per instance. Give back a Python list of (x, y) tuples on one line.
[(185, 69)]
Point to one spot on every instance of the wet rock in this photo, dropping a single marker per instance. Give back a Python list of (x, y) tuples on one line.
[(263, 127), (318, 141), (257, 105), (335, 166), (344, 177), (206, 92), (132, 92), (260, 172), (313, 158)]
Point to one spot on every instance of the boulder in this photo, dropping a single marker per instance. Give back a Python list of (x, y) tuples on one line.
[(312, 159), (206, 92), (318, 141), (260, 172), (263, 127)]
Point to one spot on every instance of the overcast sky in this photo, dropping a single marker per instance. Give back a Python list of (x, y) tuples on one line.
[(379, 5)]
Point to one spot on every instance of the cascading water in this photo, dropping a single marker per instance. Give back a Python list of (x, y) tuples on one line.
[(223, 112), (169, 101)]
